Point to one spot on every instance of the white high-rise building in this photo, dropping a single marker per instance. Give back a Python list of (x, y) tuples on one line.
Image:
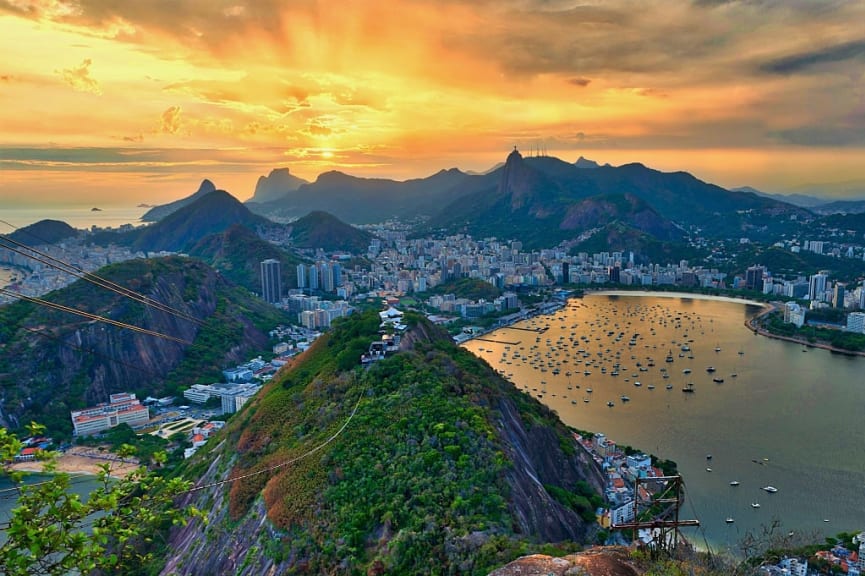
[(856, 322)]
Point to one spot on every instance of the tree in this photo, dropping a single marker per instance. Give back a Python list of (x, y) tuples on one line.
[(52, 531)]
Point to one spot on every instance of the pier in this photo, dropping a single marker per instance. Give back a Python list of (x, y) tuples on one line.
[(535, 330), (496, 341)]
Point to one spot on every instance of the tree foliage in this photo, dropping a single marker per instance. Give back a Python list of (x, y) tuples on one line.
[(53, 531)]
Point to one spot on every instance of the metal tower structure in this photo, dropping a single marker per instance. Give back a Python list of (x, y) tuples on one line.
[(659, 512)]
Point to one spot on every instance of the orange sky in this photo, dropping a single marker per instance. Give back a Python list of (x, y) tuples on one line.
[(124, 102)]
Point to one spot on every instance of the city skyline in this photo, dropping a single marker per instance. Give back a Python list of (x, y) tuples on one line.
[(149, 98)]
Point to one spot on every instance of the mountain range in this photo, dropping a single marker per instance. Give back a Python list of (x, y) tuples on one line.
[(365, 200)]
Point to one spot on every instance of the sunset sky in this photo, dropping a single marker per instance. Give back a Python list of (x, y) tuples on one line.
[(116, 102)]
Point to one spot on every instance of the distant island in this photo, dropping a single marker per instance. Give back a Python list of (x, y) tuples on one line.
[(95, 209)]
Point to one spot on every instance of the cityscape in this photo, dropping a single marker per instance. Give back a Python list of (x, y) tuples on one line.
[(432, 288)]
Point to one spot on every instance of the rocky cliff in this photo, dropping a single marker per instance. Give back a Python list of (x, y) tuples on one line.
[(52, 361)]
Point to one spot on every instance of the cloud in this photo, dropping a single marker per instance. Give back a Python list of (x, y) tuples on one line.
[(79, 78), (804, 61), (579, 81), (170, 120)]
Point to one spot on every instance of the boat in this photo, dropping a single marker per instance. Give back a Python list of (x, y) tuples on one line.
[(708, 469), (729, 520), (755, 504), (710, 369), (770, 489), (718, 380), (688, 388), (610, 404), (625, 398), (734, 483), (686, 371), (669, 386), (708, 456)]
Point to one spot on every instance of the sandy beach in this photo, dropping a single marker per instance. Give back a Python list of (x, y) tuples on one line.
[(84, 460)]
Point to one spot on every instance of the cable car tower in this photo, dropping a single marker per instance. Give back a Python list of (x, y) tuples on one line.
[(658, 512)]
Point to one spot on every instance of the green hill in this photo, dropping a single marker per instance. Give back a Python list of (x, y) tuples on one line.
[(543, 201), (444, 468), (43, 232), (52, 361), (237, 253), (329, 233)]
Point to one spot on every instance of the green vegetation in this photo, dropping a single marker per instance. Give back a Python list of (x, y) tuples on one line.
[(53, 362), (321, 230), (417, 482), (238, 252), (54, 532), (582, 499), (839, 339)]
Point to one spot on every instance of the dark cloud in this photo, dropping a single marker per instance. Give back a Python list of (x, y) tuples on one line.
[(152, 160), (579, 81), (823, 136), (804, 61)]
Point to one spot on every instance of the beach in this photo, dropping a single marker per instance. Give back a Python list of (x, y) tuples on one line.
[(84, 460)]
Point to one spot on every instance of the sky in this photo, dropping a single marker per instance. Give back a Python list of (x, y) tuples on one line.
[(116, 103)]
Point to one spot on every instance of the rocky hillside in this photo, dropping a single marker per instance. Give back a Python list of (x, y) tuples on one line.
[(275, 185), (444, 468), (53, 361)]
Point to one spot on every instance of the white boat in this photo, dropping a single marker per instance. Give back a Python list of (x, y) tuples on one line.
[(729, 520), (770, 489), (734, 483), (755, 505)]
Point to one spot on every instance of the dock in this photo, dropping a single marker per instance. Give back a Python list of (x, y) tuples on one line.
[(496, 341)]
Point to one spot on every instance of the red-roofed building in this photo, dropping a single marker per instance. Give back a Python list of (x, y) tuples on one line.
[(124, 408), (26, 455)]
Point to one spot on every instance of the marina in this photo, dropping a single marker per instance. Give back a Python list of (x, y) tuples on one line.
[(777, 421)]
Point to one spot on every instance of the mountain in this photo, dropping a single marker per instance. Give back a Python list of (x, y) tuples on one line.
[(426, 462), (52, 362), (159, 212), (802, 200), (211, 213), (841, 207), (322, 230), (619, 237), (365, 200), (543, 201), (237, 254), (275, 185), (43, 232), (586, 163)]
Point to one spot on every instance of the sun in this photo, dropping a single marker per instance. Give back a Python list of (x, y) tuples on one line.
[(326, 153)]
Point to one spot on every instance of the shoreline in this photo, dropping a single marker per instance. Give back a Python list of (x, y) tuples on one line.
[(753, 324), (79, 462), (691, 295)]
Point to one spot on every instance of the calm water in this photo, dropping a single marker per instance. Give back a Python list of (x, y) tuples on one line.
[(80, 484), (75, 216), (789, 419)]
